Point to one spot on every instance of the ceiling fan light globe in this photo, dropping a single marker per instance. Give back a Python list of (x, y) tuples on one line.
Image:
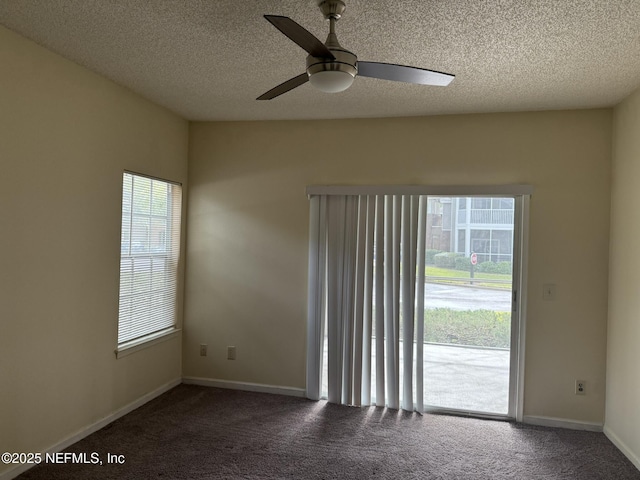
[(331, 81)]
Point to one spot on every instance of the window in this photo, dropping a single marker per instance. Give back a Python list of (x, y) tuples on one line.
[(502, 203), (481, 203), (462, 236), (149, 252), (446, 217)]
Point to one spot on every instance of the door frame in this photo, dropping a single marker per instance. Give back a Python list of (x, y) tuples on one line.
[(522, 195), (519, 306)]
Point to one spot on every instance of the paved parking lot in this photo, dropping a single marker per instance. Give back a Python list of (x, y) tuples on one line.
[(456, 297)]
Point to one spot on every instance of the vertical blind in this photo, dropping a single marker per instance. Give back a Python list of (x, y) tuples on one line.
[(366, 263), (149, 251)]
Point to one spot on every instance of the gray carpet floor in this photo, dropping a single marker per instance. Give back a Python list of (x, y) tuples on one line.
[(194, 432)]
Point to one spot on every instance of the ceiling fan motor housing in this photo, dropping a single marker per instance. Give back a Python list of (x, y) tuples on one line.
[(345, 61)]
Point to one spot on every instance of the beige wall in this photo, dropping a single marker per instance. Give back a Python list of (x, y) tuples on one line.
[(623, 351), (66, 135), (248, 232)]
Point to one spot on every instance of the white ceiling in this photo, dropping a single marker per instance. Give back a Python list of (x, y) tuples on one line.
[(210, 59)]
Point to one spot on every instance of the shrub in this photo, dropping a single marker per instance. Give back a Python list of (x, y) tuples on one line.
[(494, 267), (463, 263), (430, 254), (446, 259)]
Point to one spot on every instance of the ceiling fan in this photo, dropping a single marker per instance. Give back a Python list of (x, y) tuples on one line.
[(332, 68)]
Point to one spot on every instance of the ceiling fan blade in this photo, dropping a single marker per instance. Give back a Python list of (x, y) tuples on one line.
[(301, 36), (285, 87), (402, 73)]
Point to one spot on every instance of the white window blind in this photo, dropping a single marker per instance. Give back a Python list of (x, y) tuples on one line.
[(149, 252)]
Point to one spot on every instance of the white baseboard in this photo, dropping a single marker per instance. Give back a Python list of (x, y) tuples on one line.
[(94, 427), (562, 423), (246, 386), (635, 459)]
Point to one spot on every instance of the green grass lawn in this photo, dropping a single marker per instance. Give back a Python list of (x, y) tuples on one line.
[(483, 328), (432, 271)]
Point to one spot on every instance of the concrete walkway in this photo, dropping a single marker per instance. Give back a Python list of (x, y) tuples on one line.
[(466, 378)]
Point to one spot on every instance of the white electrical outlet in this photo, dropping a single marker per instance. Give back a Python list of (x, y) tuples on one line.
[(581, 387), (203, 350), (231, 353)]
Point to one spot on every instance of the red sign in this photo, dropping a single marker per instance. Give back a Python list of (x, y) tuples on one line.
[(474, 259)]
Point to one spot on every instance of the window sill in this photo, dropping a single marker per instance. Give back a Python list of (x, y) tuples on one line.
[(141, 343)]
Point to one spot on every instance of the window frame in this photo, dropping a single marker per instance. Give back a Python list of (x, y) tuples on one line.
[(172, 258)]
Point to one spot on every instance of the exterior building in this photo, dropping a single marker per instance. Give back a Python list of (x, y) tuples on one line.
[(469, 225)]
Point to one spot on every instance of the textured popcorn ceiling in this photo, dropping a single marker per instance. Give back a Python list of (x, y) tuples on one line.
[(210, 59)]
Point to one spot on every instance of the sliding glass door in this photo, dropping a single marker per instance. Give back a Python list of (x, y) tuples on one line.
[(414, 301)]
